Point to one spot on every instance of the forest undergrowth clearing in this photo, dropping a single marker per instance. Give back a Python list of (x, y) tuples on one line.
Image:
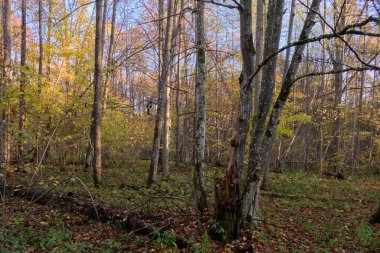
[(321, 219)]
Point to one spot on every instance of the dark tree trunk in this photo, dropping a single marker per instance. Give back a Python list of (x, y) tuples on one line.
[(96, 111), (6, 79), (23, 81)]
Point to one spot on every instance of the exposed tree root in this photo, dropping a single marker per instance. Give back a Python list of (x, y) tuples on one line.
[(100, 212)]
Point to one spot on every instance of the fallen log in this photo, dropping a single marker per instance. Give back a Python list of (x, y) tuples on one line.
[(281, 195), (95, 211)]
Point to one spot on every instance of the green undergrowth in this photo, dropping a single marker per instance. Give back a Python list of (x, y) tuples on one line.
[(307, 213)]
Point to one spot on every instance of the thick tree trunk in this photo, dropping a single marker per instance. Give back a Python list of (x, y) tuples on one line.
[(23, 81), (234, 210), (268, 137), (161, 96), (200, 141), (96, 111), (227, 189), (6, 79), (272, 38)]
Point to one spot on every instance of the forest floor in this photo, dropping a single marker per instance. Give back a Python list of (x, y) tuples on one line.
[(299, 213)]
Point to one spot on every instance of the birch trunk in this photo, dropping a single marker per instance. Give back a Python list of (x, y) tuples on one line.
[(200, 140)]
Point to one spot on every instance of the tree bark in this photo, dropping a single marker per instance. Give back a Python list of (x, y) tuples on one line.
[(6, 79), (161, 96), (23, 81), (110, 53), (227, 189), (168, 92), (267, 138), (96, 111), (272, 38), (337, 60), (200, 140), (259, 51), (262, 138), (41, 49), (289, 40)]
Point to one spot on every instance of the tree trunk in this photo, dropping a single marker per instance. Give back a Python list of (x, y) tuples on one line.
[(6, 79), (235, 208), (161, 96), (200, 140), (23, 81), (272, 38), (48, 38), (41, 52), (227, 189), (96, 111), (323, 84), (289, 40), (337, 60), (268, 137), (110, 54), (178, 86), (168, 91), (259, 51)]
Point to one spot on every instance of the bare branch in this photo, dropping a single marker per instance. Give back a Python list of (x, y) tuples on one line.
[(344, 31), (220, 4)]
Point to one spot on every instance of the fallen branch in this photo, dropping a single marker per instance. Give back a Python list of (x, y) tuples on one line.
[(281, 195), (99, 212)]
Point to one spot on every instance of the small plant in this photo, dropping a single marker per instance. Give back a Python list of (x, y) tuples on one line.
[(364, 233), (218, 231), (165, 239)]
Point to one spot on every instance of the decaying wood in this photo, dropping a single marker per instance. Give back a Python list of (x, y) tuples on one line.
[(100, 212)]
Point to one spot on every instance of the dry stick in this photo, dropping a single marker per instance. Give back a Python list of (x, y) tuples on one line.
[(92, 199)]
